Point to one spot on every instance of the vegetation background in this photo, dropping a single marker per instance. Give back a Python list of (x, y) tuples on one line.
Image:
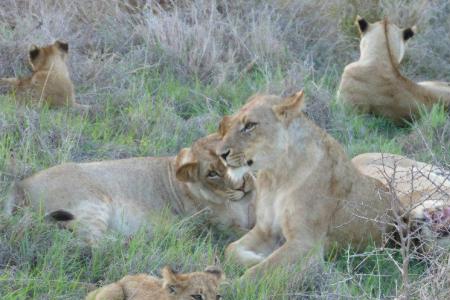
[(162, 77)]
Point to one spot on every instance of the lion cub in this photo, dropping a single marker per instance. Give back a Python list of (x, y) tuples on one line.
[(50, 82), (190, 286)]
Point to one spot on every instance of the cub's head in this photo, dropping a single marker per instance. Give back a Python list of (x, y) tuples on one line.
[(375, 35), (254, 136), (193, 286), (42, 58), (205, 174)]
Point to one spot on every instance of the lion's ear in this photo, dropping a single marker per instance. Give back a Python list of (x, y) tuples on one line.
[(186, 166), (290, 108), (62, 46), (33, 52), (216, 272), (362, 24), (224, 125), (170, 280), (409, 33)]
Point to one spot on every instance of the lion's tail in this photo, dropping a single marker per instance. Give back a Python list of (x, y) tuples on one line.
[(84, 107), (9, 81), (16, 195)]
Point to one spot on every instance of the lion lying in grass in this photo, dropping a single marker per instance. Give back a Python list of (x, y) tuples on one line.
[(422, 188), (91, 198), (374, 84), (191, 286), (50, 82), (310, 196)]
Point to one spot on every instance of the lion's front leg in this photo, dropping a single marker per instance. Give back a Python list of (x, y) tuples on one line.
[(252, 248), (290, 253)]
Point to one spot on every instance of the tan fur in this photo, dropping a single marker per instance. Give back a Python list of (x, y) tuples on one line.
[(309, 194), (421, 188), (121, 194), (50, 81), (190, 286), (374, 84), (404, 175)]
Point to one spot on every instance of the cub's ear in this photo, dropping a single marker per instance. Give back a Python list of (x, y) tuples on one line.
[(170, 281), (290, 108), (224, 125), (216, 271), (362, 24), (186, 166), (409, 33), (62, 46), (33, 52)]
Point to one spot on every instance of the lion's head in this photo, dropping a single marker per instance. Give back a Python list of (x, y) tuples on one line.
[(42, 58), (374, 37), (257, 132), (193, 286), (206, 176), (172, 286)]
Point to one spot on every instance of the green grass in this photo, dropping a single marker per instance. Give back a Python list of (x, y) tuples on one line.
[(48, 263), (38, 261)]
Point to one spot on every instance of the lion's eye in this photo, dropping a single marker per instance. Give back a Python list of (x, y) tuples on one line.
[(172, 289), (197, 297), (249, 126), (213, 174)]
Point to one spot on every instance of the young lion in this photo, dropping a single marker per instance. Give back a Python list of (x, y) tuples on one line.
[(374, 84), (309, 194), (191, 286), (50, 81), (91, 198)]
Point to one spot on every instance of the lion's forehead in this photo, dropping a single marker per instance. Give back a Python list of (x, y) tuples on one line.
[(208, 157), (200, 283), (256, 107), (205, 147), (46, 55), (49, 51), (378, 28), (258, 101)]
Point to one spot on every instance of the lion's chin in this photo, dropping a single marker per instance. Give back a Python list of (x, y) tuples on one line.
[(237, 174)]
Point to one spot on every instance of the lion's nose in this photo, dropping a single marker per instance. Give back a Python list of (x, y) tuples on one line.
[(224, 155)]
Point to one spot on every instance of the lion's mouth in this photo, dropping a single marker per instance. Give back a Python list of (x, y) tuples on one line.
[(236, 174), (244, 187)]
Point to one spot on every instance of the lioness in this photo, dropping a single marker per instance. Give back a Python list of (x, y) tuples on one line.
[(309, 194), (50, 81), (374, 84), (191, 286), (421, 188), (120, 194)]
